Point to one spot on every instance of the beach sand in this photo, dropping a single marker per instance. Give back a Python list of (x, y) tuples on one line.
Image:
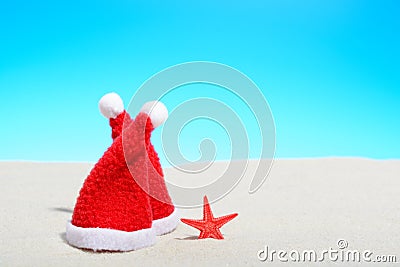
[(305, 204)]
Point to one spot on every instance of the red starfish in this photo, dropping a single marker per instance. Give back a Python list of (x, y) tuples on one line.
[(209, 226)]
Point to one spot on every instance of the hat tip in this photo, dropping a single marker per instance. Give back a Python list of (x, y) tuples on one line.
[(111, 105), (157, 112)]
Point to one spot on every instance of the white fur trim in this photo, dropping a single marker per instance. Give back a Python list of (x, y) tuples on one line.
[(109, 239), (166, 225), (157, 112), (111, 105)]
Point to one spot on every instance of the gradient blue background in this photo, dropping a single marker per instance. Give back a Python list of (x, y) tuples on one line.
[(329, 70)]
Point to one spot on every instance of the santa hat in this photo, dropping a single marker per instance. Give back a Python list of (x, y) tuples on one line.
[(112, 211), (165, 215)]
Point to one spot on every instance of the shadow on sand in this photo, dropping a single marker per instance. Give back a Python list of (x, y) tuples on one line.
[(62, 209), (192, 237)]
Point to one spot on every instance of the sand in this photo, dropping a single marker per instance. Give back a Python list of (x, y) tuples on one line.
[(304, 204)]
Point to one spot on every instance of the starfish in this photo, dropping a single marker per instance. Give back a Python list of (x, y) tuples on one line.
[(209, 226)]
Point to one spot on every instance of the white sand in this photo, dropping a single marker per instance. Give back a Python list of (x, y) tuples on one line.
[(304, 204)]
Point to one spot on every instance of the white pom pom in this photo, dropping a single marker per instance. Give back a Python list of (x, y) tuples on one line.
[(111, 105), (157, 112)]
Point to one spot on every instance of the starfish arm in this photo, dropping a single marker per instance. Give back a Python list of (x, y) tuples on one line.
[(204, 234), (198, 224), (207, 213), (220, 221), (217, 234)]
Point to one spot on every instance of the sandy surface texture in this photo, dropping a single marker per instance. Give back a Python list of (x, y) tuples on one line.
[(304, 205)]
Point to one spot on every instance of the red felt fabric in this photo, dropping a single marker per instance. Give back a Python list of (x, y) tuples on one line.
[(116, 124), (110, 197), (160, 199)]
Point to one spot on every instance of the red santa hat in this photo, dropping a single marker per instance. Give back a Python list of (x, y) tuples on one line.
[(113, 211)]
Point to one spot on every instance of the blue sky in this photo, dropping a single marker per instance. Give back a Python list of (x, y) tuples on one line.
[(329, 69)]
